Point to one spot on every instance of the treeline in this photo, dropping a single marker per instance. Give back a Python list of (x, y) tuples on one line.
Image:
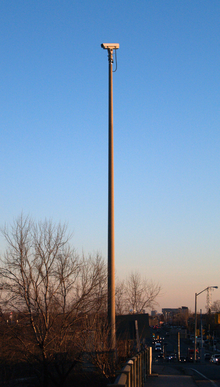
[(58, 302)]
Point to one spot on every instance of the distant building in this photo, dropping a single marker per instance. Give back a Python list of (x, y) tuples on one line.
[(171, 313)]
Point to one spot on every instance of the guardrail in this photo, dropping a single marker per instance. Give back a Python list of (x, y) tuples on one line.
[(135, 371)]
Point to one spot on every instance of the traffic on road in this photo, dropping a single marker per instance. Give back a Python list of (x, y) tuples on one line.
[(171, 346)]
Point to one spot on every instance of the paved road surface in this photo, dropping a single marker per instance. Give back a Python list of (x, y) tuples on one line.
[(169, 377)]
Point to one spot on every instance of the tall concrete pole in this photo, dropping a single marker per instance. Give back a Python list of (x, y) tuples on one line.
[(111, 239)]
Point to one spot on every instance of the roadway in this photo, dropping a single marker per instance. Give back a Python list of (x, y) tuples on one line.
[(204, 375), (187, 374)]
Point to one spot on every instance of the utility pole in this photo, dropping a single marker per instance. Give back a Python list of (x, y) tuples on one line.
[(195, 328), (111, 241), (195, 331)]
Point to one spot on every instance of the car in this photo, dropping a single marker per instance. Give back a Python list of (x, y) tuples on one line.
[(157, 347), (215, 359), (171, 357)]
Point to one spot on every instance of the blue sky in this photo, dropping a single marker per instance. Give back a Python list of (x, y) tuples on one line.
[(54, 131)]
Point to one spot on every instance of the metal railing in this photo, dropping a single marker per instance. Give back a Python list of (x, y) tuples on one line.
[(135, 371)]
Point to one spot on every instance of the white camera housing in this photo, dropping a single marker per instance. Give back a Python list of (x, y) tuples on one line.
[(110, 46)]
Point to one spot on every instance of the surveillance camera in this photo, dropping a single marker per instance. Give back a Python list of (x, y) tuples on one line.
[(110, 46)]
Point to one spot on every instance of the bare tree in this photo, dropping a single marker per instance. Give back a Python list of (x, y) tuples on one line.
[(96, 348), (51, 289), (120, 306), (59, 300), (215, 306), (140, 294)]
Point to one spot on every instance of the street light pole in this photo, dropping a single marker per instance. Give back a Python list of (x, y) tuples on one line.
[(195, 327), (111, 241), (196, 295)]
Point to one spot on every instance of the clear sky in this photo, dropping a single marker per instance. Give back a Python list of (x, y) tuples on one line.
[(54, 131)]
